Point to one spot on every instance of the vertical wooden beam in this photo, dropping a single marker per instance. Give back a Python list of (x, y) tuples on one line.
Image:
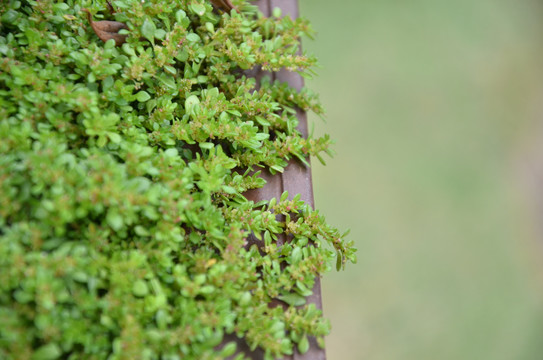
[(296, 179)]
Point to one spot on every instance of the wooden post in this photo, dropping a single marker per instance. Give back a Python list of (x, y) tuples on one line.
[(296, 179)]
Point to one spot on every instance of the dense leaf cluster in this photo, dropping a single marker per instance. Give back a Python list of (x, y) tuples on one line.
[(123, 225)]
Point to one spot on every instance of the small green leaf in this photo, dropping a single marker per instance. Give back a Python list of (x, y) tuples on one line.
[(228, 189), (160, 34), (114, 219), (293, 299), (102, 141), (207, 145), (284, 196), (302, 289), (110, 44), (34, 37), (229, 349), (10, 16), (339, 261), (172, 152), (61, 6), (50, 351), (191, 102), (148, 30), (80, 57), (277, 168), (140, 288), (262, 121), (107, 82), (245, 298), (180, 15), (199, 9), (234, 112), (320, 342), (169, 81), (182, 55), (142, 96), (296, 255), (80, 276), (303, 345), (192, 37), (114, 137), (141, 231), (129, 50), (210, 27), (170, 69)]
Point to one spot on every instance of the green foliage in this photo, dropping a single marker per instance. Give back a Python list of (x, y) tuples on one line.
[(123, 225)]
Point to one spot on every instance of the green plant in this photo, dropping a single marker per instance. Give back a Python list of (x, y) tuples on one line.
[(123, 224)]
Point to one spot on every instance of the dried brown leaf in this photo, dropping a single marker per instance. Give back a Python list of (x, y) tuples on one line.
[(107, 29)]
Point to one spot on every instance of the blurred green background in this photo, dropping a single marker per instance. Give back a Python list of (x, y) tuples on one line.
[(436, 108)]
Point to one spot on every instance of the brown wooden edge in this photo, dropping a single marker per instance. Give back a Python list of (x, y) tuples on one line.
[(296, 179)]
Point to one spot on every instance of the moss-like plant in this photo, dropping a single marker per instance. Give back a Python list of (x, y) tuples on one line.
[(123, 164)]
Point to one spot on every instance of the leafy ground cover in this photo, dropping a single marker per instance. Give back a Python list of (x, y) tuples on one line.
[(128, 137)]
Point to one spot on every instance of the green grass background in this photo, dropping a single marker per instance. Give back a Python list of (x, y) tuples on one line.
[(435, 107)]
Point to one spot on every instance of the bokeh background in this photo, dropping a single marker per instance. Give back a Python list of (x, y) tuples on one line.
[(436, 107)]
